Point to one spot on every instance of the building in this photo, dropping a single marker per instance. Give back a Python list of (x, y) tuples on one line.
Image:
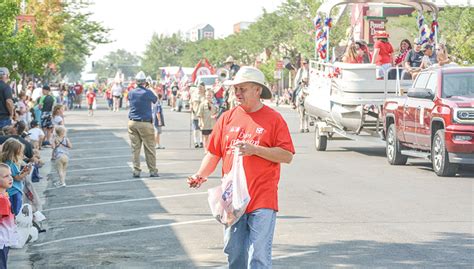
[(238, 27), (200, 32)]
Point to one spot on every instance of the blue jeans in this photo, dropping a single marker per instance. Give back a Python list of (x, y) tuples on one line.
[(16, 200), (4, 257), (5, 122), (248, 243)]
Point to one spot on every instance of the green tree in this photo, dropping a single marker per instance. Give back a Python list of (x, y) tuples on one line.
[(162, 51), (21, 48), (457, 30), (128, 63), (81, 35)]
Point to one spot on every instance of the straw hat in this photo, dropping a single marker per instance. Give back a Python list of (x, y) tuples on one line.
[(229, 59), (251, 74)]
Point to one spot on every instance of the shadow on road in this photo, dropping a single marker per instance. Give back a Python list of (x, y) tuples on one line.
[(84, 230), (451, 250)]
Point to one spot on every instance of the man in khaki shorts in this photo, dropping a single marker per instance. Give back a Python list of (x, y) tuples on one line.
[(140, 127)]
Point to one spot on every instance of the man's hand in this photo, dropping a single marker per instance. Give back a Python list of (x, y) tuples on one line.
[(246, 149), (195, 181)]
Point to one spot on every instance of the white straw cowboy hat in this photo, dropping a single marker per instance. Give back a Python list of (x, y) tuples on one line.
[(229, 59), (251, 74)]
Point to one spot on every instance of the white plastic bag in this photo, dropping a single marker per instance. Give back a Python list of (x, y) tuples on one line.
[(24, 227), (94, 105), (229, 201)]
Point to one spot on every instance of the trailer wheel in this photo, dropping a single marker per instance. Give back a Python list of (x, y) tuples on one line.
[(320, 141), (393, 150), (439, 157)]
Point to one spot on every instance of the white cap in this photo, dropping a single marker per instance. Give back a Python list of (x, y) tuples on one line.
[(141, 77), (4, 71)]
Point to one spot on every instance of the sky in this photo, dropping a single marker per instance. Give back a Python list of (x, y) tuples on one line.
[(134, 23)]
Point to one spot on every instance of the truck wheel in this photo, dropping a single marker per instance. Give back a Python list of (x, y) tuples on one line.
[(394, 155), (320, 141), (439, 157)]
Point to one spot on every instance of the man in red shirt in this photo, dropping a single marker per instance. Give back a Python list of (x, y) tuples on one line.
[(264, 140), (78, 89)]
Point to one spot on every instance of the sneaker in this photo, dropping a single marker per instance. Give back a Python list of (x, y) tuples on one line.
[(196, 145), (154, 174), (200, 145), (306, 130), (59, 185), (136, 174), (159, 147)]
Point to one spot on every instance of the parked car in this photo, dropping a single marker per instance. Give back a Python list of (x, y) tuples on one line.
[(435, 120)]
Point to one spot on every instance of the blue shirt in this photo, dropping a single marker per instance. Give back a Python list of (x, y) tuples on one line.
[(158, 109), (141, 100), (17, 185)]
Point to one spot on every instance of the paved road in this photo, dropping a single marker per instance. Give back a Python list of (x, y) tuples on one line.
[(342, 208)]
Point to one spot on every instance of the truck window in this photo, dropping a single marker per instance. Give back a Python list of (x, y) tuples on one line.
[(432, 84), (458, 84), (421, 81)]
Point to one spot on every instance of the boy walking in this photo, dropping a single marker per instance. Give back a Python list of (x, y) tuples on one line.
[(90, 100)]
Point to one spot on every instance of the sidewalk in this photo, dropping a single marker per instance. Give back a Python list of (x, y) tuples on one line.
[(20, 258)]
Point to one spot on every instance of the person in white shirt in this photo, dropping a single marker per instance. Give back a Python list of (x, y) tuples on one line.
[(117, 92), (36, 135)]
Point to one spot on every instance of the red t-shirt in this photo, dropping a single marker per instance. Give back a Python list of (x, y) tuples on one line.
[(266, 128), (108, 94), (385, 52), (5, 206), (90, 98), (78, 89), (8, 234)]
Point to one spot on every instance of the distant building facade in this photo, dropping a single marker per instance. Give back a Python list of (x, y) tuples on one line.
[(200, 32), (238, 27)]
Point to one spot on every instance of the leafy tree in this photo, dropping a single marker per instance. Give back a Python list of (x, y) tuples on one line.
[(126, 62), (21, 48), (162, 51), (457, 30), (81, 35)]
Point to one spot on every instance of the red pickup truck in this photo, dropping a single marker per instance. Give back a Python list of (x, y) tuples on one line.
[(435, 120)]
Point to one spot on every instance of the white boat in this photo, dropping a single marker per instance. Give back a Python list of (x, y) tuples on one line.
[(347, 98)]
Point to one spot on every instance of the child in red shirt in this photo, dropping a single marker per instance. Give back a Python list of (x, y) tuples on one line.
[(90, 100), (8, 235)]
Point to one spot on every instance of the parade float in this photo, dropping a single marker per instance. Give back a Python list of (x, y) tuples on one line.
[(347, 99)]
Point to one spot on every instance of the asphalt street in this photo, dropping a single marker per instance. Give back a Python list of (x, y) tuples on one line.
[(346, 207)]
